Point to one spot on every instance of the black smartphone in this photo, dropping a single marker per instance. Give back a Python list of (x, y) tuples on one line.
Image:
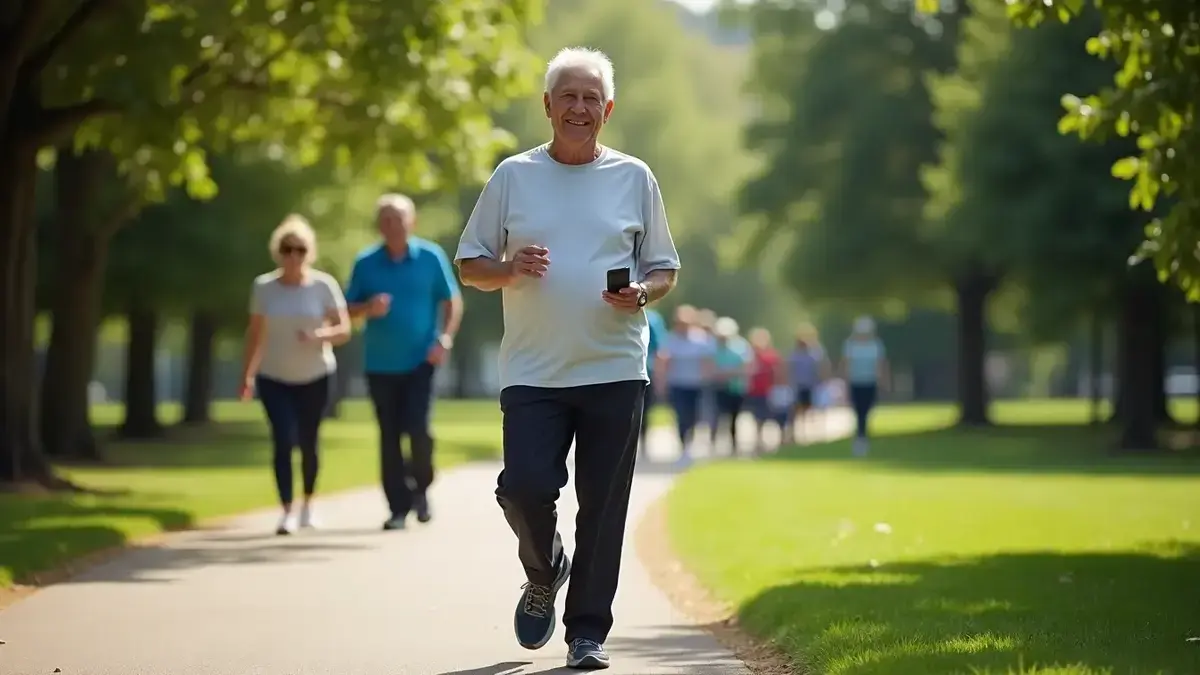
[(617, 279)]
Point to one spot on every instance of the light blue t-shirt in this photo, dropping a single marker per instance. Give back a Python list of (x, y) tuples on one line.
[(862, 360), (399, 341), (687, 356), (594, 217), (735, 354), (804, 366)]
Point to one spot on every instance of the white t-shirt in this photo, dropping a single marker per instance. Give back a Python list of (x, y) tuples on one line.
[(288, 309), (558, 331)]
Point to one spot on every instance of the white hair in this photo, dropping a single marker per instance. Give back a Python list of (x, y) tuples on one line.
[(398, 203), (864, 325), (582, 58), (725, 327), (295, 227)]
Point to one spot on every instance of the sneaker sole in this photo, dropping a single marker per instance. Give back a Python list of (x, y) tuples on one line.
[(563, 575), (588, 662)]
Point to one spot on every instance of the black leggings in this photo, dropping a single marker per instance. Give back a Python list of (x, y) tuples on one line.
[(862, 399), (295, 412)]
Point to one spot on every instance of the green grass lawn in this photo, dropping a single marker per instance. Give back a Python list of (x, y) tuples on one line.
[(1024, 549), (154, 486)]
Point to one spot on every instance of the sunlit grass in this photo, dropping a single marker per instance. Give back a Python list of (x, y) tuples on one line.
[(1027, 550), (149, 487)]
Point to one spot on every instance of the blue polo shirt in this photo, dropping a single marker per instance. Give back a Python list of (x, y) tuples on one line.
[(399, 341), (658, 329)]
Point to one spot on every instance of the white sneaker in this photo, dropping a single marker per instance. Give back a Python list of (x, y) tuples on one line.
[(285, 524), (860, 447), (306, 518)]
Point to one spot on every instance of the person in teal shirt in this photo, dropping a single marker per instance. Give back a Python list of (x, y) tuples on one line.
[(732, 361), (658, 329)]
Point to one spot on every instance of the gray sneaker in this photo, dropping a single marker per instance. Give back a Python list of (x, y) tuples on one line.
[(534, 620), (585, 654), (394, 523)]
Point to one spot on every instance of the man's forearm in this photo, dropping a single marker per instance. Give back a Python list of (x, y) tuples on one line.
[(659, 283), (485, 274), (452, 316), (357, 310)]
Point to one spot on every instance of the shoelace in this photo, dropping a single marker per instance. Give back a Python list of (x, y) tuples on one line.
[(579, 643), (537, 599)]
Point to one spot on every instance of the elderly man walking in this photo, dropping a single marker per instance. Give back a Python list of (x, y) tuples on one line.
[(550, 226), (406, 288)]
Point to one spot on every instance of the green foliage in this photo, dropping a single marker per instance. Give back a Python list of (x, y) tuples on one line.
[(844, 128), (186, 255), (403, 89), (1045, 208), (1151, 98)]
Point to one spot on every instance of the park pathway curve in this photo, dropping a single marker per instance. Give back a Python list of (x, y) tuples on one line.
[(347, 599)]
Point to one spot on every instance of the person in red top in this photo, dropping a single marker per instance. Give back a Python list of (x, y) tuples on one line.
[(766, 372)]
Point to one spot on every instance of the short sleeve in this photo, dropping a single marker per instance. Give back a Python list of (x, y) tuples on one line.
[(446, 286), (256, 297), (656, 251), (483, 236), (333, 301), (356, 292)]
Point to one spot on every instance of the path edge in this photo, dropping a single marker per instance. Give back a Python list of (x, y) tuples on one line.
[(652, 540), (68, 569)]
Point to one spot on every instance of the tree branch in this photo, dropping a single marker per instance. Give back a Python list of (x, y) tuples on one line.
[(120, 215), (56, 124), (77, 20)]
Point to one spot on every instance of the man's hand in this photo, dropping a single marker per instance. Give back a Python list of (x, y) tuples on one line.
[(379, 305), (626, 300), (246, 391), (438, 352), (531, 261)]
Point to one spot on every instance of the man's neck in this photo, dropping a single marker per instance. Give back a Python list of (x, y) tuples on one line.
[(583, 154), (396, 250)]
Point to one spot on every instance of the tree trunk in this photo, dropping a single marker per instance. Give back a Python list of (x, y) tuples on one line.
[(1162, 337), (197, 396), (1196, 363), (81, 251), (21, 457), (1139, 378), (1096, 366), (141, 399), (971, 293)]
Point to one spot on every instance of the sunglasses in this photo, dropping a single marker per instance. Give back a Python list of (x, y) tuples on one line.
[(287, 249)]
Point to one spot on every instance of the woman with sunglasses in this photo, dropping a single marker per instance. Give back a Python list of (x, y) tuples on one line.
[(297, 314)]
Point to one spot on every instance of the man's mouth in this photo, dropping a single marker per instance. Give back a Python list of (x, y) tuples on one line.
[(578, 123)]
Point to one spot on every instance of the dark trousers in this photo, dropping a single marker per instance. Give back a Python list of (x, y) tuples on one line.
[(729, 406), (604, 420), (402, 407), (648, 401), (685, 401), (862, 399), (295, 412)]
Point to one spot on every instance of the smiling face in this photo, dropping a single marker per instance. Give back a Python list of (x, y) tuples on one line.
[(577, 107)]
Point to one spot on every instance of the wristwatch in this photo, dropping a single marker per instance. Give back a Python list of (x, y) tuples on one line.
[(643, 296), (446, 341)]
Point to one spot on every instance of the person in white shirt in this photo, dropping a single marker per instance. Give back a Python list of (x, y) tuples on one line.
[(549, 225), (297, 314)]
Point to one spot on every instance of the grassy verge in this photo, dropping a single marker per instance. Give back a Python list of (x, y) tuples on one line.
[(1024, 549), (155, 486)]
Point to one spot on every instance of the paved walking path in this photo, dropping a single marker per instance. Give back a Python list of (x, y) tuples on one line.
[(347, 599)]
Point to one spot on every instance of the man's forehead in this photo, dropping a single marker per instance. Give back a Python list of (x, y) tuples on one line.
[(579, 78)]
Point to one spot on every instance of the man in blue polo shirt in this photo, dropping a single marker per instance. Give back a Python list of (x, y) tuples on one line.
[(658, 330), (407, 290)]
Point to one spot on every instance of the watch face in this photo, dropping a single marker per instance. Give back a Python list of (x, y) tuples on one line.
[(642, 299)]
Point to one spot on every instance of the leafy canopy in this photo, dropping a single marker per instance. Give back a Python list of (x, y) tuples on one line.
[(1152, 99), (403, 88)]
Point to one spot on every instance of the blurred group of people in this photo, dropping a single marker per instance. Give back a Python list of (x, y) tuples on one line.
[(709, 375)]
